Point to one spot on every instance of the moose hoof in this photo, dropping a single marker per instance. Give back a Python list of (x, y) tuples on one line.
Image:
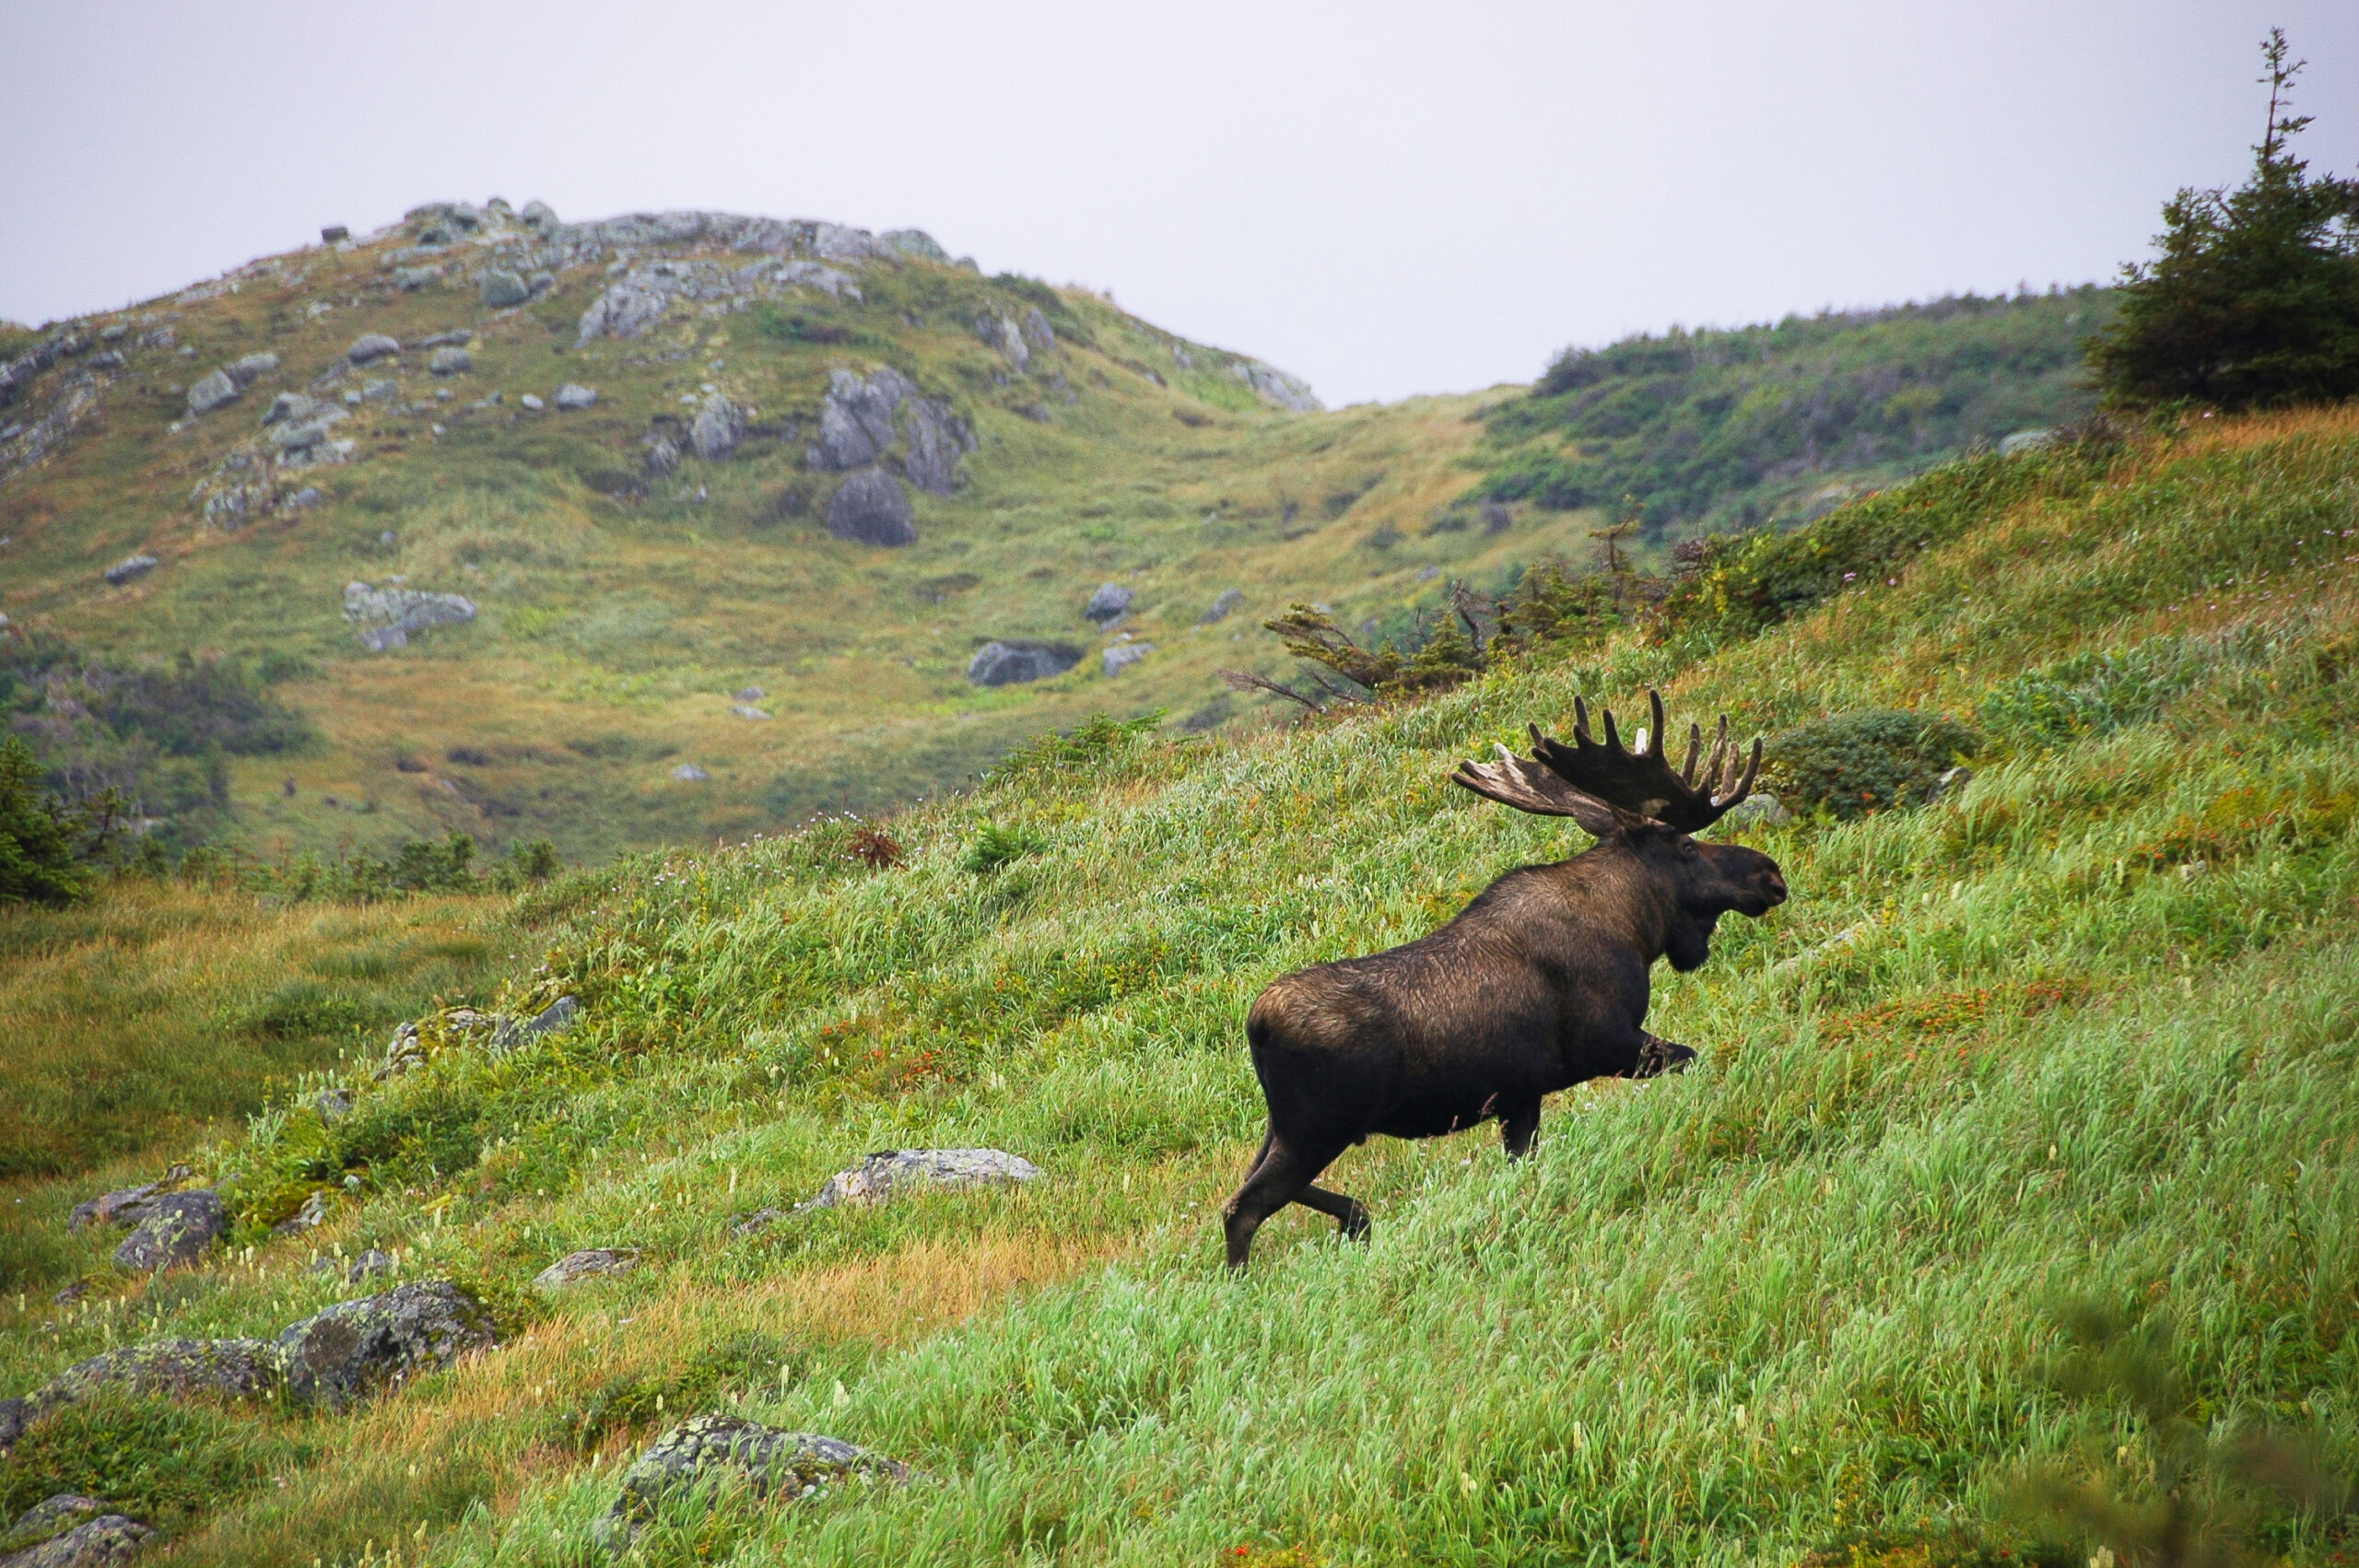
[(1660, 1056)]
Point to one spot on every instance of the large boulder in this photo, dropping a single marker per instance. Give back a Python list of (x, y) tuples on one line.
[(178, 1230), (72, 1531), (369, 347), (502, 288), (719, 427), (1012, 663), (781, 1467), (235, 1369), (1110, 602), (211, 392), (870, 508), (385, 617), (862, 422), (356, 1348), (879, 1178)]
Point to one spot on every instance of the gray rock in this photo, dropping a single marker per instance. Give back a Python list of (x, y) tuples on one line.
[(936, 437), (662, 457), (292, 406), (1110, 602), (751, 693), (914, 242), (352, 1349), (106, 359), (335, 234), (748, 710), (502, 288), (410, 279), (1273, 385), (311, 431), (556, 1017), (410, 1046), (372, 1264), (313, 1213), (1123, 655), (589, 1263), (450, 362), (572, 396), (211, 392), (1013, 663), (370, 348), (334, 1104), (1222, 607), (856, 417), (114, 334), (1950, 785), (1002, 332), (779, 1467), (879, 1176), (539, 216), (129, 569), (533, 402), (252, 369), (173, 1368), (1036, 329), (179, 1229), (457, 337), (869, 508), (690, 773), (14, 1416), (385, 617), (1759, 807), (2027, 440), (125, 1206), (308, 496), (380, 390), (100, 1539), (719, 427)]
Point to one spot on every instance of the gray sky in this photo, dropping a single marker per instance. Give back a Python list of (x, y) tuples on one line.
[(1387, 199)]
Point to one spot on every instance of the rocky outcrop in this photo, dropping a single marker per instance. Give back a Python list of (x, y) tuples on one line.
[(779, 1467), (177, 1230), (1015, 663), (870, 508), (884, 419), (1001, 332), (879, 1178), (718, 427), (1110, 602), (1273, 385), (355, 1348), (18, 373), (387, 617), (211, 392)]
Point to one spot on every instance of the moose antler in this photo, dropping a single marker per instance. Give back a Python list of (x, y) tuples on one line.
[(1641, 781), (1526, 786)]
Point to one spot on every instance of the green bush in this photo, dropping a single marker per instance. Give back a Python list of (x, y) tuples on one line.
[(996, 846), (37, 834), (1853, 764)]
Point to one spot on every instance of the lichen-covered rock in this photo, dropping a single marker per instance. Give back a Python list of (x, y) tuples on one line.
[(370, 348), (591, 1262), (878, 1176), (1112, 601), (417, 1039), (125, 1206), (784, 1466), (1222, 607), (71, 1531), (385, 617), (211, 392), (718, 427), (233, 1369), (355, 1348), (1012, 663), (178, 1230), (870, 508), (500, 288), (556, 1017)]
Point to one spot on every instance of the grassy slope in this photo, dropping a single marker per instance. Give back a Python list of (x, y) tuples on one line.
[(1797, 1293), (612, 632)]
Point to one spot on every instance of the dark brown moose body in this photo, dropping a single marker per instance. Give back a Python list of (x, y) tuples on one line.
[(1539, 984)]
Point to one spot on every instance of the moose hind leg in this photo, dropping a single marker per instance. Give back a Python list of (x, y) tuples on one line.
[(1519, 1125), (1349, 1213), (1281, 1177)]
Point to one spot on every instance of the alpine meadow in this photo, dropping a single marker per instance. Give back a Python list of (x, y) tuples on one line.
[(634, 855)]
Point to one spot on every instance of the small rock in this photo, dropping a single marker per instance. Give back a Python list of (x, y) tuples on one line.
[(870, 508), (662, 457), (1110, 602), (334, 1104), (1122, 656), (589, 1263), (211, 392), (538, 215), (385, 617), (369, 1265), (1036, 329), (1950, 785), (114, 334), (380, 390), (784, 1466), (1758, 807), (746, 711), (290, 405), (308, 496), (557, 1016), (352, 1349), (1222, 607), (450, 362), (2026, 440), (14, 1416), (410, 279), (370, 348), (718, 428), (760, 1219), (179, 1229), (502, 288), (690, 773), (533, 402), (571, 396), (752, 693), (335, 234), (1013, 663), (252, 369), (878, 1176), (313, 1211)]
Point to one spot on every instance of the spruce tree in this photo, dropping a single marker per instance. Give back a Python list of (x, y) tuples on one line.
[(2254, 300), (37, 859)]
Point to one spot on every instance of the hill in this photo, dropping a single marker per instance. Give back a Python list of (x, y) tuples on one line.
[(2077, 1032), (636, 563), (1718, 430)]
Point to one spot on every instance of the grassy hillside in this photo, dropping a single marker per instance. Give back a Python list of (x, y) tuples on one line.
[(621, 609), (1715, 430), (2082, 1033)]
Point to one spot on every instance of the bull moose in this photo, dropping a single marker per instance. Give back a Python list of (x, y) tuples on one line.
[(1539, 984)]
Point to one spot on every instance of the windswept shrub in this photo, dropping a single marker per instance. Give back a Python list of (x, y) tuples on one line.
[(1853, 764), (2095, 693), (996, 846), (37, 834)]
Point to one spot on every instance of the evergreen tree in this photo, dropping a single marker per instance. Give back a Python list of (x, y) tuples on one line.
[(2254, 300), (37, 860)]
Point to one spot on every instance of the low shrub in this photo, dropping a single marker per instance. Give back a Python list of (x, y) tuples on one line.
[(1852, 764)]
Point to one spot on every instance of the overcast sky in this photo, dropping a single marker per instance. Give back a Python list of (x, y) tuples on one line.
[(1385, 199)]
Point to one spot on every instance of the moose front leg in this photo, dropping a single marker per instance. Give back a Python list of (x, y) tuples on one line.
[(1658, 1055), (1519, 1125)]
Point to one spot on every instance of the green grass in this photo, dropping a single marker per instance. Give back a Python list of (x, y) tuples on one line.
[(2082, 1034)]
